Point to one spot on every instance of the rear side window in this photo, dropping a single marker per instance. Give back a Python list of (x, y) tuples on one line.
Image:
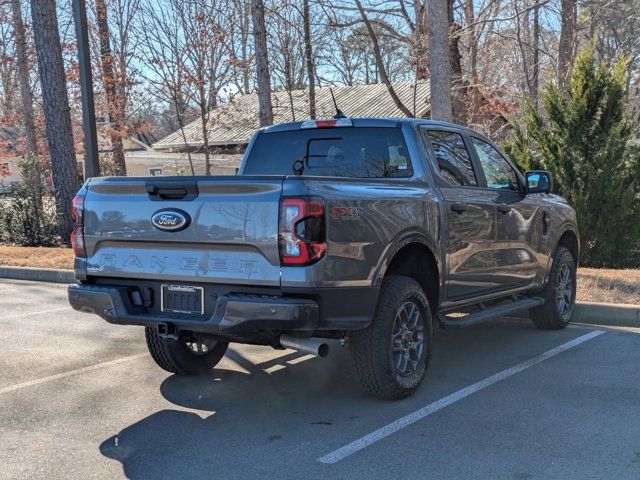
[(333, 152), (454, 162)]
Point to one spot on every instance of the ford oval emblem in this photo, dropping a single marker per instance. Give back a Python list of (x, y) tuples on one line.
[(170, 220)]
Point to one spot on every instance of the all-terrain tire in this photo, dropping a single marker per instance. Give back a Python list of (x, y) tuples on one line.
[(549, 316), (372, 350), (175, 356)]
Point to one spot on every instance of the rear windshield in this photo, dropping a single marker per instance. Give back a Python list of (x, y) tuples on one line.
[(332, 152)]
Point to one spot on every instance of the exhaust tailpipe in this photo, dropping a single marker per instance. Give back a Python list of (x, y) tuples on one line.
[(314, 346)]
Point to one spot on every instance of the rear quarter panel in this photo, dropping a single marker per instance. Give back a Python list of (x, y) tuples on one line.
[(381, 214)]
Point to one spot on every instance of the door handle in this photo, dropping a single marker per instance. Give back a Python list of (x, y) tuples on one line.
[(459, 207), (504, 209)]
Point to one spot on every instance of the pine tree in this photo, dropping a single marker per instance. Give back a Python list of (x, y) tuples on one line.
[(582, 136)]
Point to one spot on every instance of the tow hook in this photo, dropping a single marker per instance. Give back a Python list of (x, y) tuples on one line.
[(167, 331)]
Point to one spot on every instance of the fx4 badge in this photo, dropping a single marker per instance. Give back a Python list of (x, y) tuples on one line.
[(344, 212)]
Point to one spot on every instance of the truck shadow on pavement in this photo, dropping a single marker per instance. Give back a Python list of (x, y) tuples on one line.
[(242, 417), (247, 423)]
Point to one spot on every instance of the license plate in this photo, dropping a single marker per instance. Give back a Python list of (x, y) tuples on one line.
[(182, 299)]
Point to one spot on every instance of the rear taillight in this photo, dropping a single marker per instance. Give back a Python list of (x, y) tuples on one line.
[(301, 231), (77, 235)]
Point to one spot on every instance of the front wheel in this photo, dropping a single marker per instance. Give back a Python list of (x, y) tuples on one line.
[(391, 356), (559, 294), (185, 356)]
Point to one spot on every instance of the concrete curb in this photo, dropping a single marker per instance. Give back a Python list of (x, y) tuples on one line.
[(37, 274), (610, 314)]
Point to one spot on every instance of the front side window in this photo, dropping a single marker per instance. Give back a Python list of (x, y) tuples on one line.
[(499, 173), (452, 157)]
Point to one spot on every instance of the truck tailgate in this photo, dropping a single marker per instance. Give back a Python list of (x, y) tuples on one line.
[(231, 237)]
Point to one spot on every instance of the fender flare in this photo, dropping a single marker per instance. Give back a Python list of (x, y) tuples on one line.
[(401, 240), (565, 227), (568, 226)]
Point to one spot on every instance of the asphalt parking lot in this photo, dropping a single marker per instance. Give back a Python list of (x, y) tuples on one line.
[(81, 398)]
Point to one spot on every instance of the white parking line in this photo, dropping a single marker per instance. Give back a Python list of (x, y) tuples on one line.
[(30, 314), (411, 418), (31, 383)]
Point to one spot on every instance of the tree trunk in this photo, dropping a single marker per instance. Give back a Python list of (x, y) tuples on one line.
[(204, 118), (108, 78), (568, 26), (421, 43), (308, 52), (439, 61), (459, 89), (7, 100), (473, 61), (263, 78), (379, 65), (56, 110), (179, 116), (244, 23), (23, 74), (535, 77)]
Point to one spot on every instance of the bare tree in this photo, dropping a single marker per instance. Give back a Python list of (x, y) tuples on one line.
[(205, 24), (162, 43), (23, 74), (190, 61), (240, 45), (349, 57), (393, 20), (114, 110), (378, 56), (286, 50), (262, 63), (439, 61), (56, 110)]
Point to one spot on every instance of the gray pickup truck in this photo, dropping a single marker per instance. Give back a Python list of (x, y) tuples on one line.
[(372, 231)]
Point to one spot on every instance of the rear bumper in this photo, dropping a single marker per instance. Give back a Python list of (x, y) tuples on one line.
[(234, 314), (238, 313)]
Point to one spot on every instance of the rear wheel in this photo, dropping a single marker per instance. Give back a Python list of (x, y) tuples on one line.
[(559, 294), (185, 356), (391, 355)]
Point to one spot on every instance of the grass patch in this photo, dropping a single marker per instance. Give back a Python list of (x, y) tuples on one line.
[(37, 257), (609, 286)]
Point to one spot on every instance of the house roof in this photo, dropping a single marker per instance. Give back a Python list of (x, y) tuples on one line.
[(235, 122), (137, 141)]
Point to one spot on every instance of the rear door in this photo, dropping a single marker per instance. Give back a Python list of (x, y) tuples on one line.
[(230, 237), (470, 215), (518, 231)]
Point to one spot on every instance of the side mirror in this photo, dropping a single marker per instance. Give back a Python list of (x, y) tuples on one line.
[(538, 181)]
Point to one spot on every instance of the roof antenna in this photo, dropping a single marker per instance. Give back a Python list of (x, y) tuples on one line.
[(339, 113)]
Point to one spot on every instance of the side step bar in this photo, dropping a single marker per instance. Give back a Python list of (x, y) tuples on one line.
[(490, 313)]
